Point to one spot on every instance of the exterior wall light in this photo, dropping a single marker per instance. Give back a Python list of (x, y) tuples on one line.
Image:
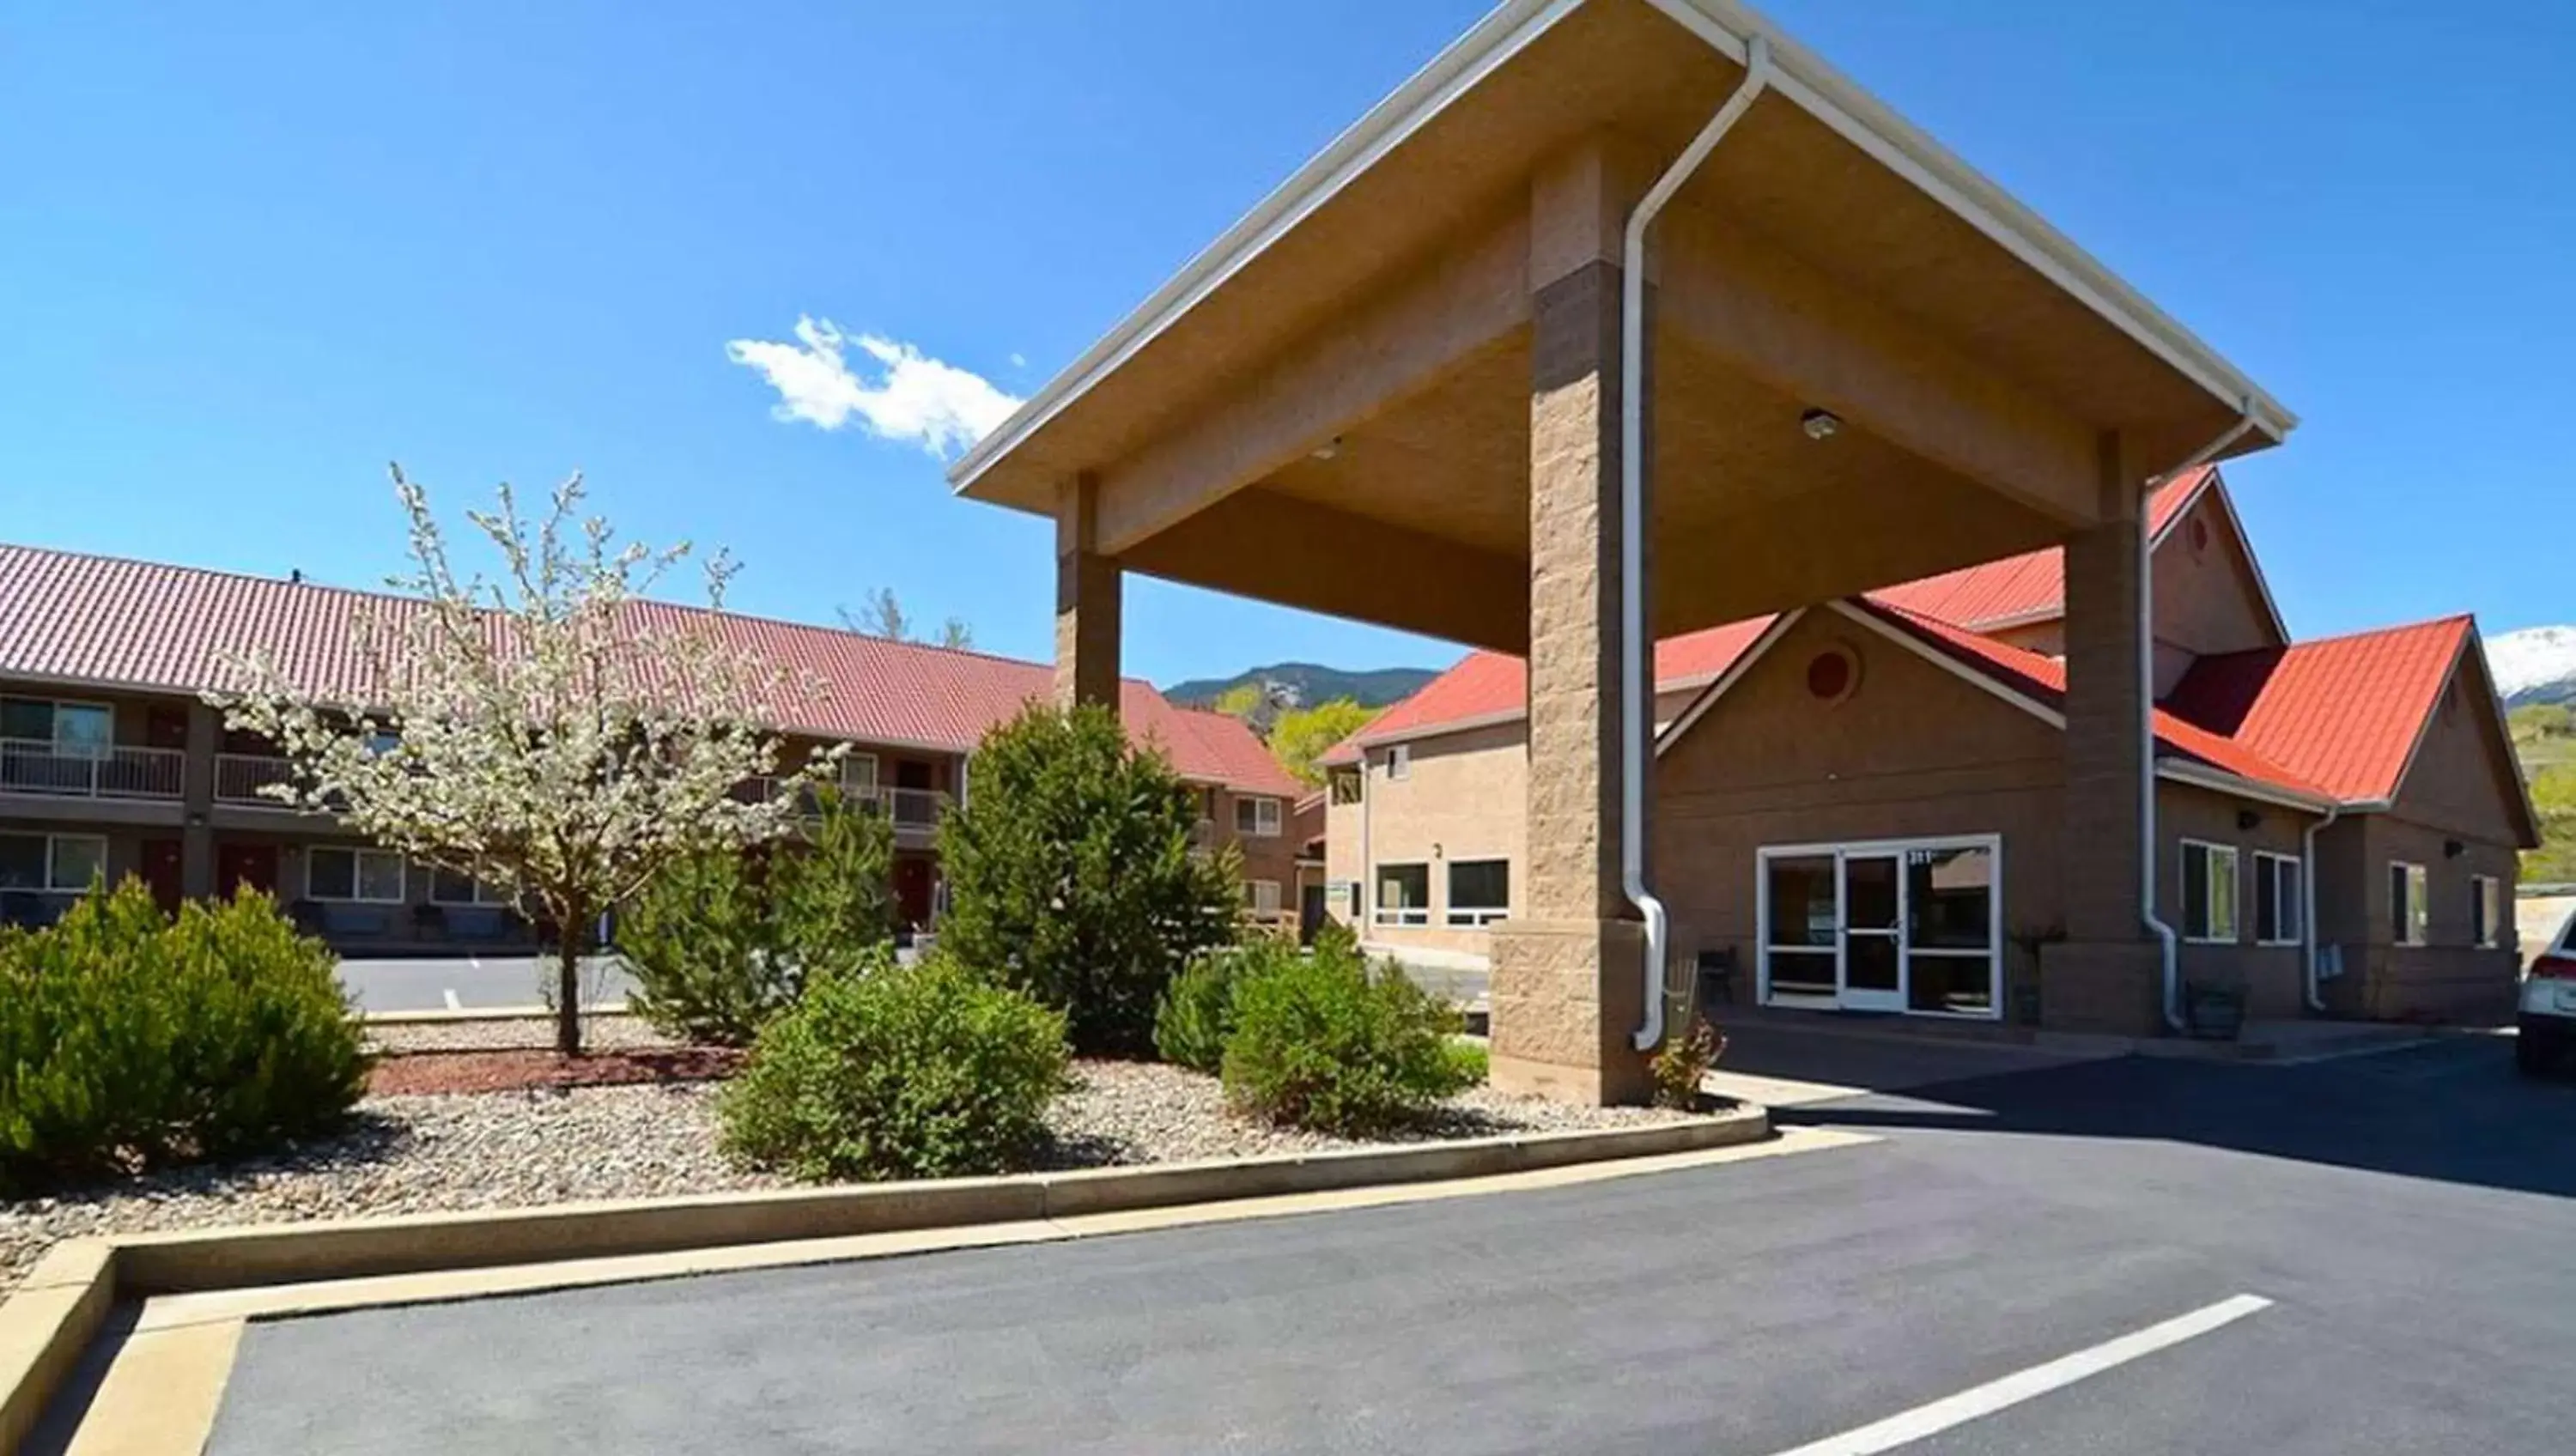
[(1820, 424)]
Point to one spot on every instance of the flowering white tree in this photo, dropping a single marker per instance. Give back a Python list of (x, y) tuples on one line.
[(549, 733)]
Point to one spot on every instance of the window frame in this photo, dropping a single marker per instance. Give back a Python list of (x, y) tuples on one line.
[(475, 888), (2211, 850), (49, 878), (358, 854), (1252, 896), (1770, 939), (850, 785), (2267, 865), (2486, 911), (1399, 762), (1276, 816), (1346, 786), (2410, 903), (1476, 917), (53, 739), (1381, 913)]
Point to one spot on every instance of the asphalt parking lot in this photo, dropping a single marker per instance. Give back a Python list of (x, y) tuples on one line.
[(2126, 1255), (473, 982)]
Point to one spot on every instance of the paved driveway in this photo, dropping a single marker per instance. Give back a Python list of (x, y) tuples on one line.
[(473, 982), (2131, 1255)]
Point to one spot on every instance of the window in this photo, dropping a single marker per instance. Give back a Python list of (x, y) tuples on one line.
[(2209, 893), (1399, 761), (1480, 891), (1950, 930), (2409, 903), (2280, 900), (72, 730), (1346, 786), (1261, 897), (1803, 924), (1257, 817), (371, 875), (2486, 911), (859, 775), (65, 863), (447, 887), (1404, 894)]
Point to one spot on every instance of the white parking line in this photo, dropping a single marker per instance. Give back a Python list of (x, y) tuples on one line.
[(453, 1002), (2022, 1385)]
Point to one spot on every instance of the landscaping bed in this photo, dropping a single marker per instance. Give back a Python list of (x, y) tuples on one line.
[(553, 1144)]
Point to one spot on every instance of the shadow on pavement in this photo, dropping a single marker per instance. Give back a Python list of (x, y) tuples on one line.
[(2451, 1110)]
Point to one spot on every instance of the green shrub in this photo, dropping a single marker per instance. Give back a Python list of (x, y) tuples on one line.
[(1071, 877), (1682, 1061), (1196, 1017), (131, 1041), (1472, 1062), (1325, 1043), (923, 1071), (720, 942)]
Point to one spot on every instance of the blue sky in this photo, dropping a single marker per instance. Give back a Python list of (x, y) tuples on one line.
[(249, 253)]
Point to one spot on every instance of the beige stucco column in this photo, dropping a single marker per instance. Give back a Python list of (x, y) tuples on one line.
[(1087, 590), (2107, 974), (1565, 992)]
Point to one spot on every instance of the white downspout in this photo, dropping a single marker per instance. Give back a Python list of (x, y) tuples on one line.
[(2308, 905), (2166, 940), (1634, 655)]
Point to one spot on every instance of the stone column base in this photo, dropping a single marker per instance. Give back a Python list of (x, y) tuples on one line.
[(1565, 998), (2107, 988)]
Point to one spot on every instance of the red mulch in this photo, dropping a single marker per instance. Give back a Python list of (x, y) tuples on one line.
[(509, 1071)]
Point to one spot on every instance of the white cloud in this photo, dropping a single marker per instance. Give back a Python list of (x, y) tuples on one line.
[(907, 396), (1019, 361)]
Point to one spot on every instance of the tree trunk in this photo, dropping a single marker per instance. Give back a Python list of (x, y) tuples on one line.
[(568, 987)]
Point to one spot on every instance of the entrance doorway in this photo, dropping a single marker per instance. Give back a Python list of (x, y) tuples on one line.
[(913, 885), (1913, 926), (160, 863), (254, 865)]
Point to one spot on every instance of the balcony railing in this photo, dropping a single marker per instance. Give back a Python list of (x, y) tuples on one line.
[(34, 766), (916, 812), (239, 777)]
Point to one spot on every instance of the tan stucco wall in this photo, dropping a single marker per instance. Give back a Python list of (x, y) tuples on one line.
[(2207, 599), (1465, 797), (1913, 753), (2273, 977)]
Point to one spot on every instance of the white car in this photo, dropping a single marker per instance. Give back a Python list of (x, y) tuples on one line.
[(2546, 1030)]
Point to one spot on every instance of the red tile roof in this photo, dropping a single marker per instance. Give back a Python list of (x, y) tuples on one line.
[(2345, 711), (107, 622)]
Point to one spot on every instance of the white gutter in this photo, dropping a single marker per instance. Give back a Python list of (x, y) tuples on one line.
[(2149, 853), (2308, 908), (1634, 651)]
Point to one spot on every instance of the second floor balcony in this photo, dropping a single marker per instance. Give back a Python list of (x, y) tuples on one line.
[(239, 778), (91, 771), (916, 812)]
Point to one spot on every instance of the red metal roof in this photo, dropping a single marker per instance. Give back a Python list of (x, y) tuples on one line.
[(1494, 686), (2043, 680), (2032, 586), (106, 622), (2345, 711)]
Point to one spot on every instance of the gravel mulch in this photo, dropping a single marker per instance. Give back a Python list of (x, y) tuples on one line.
[(609, 1032), (417, 1154)]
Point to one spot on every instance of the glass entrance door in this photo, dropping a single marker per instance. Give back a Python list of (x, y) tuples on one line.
[(1873, 959)]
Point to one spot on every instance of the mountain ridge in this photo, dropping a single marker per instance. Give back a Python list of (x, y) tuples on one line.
[(2534, 665), (1315, 683)]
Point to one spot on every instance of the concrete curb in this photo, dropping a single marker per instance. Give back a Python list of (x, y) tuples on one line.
[(49, 1322), (46, 1325), (439, 1017)]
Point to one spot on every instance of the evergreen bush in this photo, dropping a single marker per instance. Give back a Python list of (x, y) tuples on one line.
[(1071, 874), (886, 1071), (720, 942), (1324, 1042), (130, 1041)]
